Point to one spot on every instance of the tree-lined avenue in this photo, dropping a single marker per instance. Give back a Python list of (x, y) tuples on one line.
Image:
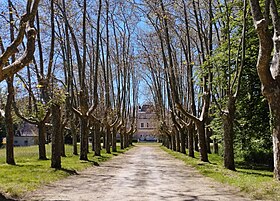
[(143, 173)]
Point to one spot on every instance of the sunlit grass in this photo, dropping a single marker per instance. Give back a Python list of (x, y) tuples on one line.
[(31, 173), (258, 184)]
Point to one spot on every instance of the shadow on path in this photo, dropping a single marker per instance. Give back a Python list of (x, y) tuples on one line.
[(3, 198), (144, 173)]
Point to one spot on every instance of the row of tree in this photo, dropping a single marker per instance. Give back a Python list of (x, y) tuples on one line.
[(79, 80), (201, 58), (198, 57)]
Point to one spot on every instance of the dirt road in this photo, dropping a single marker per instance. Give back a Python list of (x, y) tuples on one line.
[(141, 174)]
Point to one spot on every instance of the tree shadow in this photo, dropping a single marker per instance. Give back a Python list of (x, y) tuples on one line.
[(4, 198), (69, 171), (254, 166), (262, 174), (43, 159), (94, 163), (29, 165)]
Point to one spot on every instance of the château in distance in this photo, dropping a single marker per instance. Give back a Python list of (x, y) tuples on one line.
[(146, 124)]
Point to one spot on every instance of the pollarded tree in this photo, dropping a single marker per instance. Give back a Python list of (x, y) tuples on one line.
[(269, 67), (7, 70)]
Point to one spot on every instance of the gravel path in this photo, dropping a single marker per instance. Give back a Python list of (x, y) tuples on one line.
[(143, 173)]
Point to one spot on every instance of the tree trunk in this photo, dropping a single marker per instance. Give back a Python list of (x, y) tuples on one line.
[(74, 136), (202, 142), (56, 136), (104, 139), (97, 143), (228, 142), (92, 139), (177, 139), (208, 140), (196, 148), (63, 154), (183, 140), (186, 139), (9, 124), (84, 138), (127, 140), (114, 140), (122, 140), (173, 141), (130, 139), (169, 141), (42, 141), (108, 141), (275, 126), (191, 140), (227, 118)]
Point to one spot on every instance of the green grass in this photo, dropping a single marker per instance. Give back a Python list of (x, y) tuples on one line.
[(29, 173), (258, 184)]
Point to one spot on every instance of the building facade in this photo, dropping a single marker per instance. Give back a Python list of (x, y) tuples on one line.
[(26, 135), (146, 124)]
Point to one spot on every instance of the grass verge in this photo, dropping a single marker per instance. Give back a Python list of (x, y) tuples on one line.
[(257, 184), (31, 173)]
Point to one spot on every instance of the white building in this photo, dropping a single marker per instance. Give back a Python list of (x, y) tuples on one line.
[(146, 124), (26, 135)]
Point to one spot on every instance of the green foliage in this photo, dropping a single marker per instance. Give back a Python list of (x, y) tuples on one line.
[(253, 137)]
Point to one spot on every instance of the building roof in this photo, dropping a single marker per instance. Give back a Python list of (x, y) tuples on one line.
[(146, 108), (27, 129)]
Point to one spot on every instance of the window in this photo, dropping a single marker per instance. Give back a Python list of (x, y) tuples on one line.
[(147, 125), (142, 125)]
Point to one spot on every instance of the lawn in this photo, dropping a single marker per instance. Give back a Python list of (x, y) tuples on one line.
[(29, 173), (257, 184)]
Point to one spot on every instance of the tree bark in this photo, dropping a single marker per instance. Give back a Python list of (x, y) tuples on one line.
[(91, 133), (63, 153), (173, 142), (42, 141), (227, 118), (25, 28), (196, 148), (208, 133), (191, 140), (74, 137), (9, 124), (183, 140), (122, 140), (202, 142), (84, 137), (56, 136), (108, 141), (228, 142), (275, 126), (114, 140), (97, 143), (177, 138)]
